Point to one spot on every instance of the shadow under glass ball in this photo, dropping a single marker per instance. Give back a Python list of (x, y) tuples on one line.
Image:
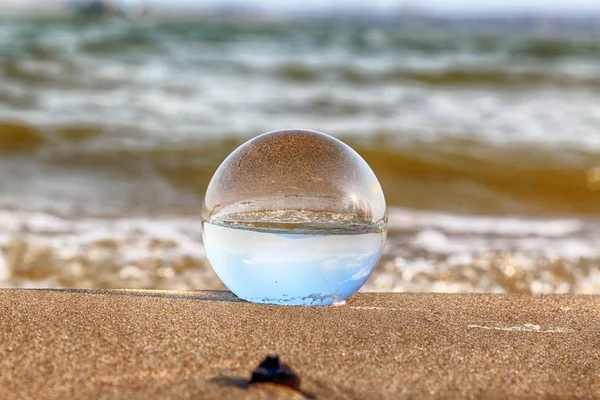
[(294, 217)]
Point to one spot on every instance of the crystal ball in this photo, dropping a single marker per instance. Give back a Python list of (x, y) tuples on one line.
[(294, 217)]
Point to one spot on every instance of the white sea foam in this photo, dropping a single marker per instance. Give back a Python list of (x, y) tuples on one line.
[(488, 225), (425, 252)]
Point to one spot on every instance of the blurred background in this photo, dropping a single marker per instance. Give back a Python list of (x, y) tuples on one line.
[(481, 120)]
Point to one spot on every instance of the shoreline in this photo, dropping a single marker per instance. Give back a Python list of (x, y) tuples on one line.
[(57, 343)]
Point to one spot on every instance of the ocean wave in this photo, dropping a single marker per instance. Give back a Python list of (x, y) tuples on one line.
[(454, 175), (74, 74), (17, 137), (474, 177), (552, 49), (464, 76), (496, 60), (496, 77), (125, 41), (506, 45)]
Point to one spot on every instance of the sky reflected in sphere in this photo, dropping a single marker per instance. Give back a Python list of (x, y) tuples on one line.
[(292, 269)]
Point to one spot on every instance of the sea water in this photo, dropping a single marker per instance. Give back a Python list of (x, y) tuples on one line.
[(295, 267)]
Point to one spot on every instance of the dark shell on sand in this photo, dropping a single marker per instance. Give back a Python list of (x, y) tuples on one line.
[(272, 371)]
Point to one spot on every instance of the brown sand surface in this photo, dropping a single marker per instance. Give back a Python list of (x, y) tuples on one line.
[(195, 345)]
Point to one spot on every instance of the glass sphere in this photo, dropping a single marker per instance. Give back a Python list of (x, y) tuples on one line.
[(294, 217)]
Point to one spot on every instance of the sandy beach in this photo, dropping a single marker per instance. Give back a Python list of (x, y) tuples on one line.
[(169, 344)]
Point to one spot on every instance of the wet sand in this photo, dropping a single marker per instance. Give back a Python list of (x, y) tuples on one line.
[(167, 344)]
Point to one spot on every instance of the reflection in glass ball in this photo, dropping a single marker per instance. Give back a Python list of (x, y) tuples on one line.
[(294, 217)]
